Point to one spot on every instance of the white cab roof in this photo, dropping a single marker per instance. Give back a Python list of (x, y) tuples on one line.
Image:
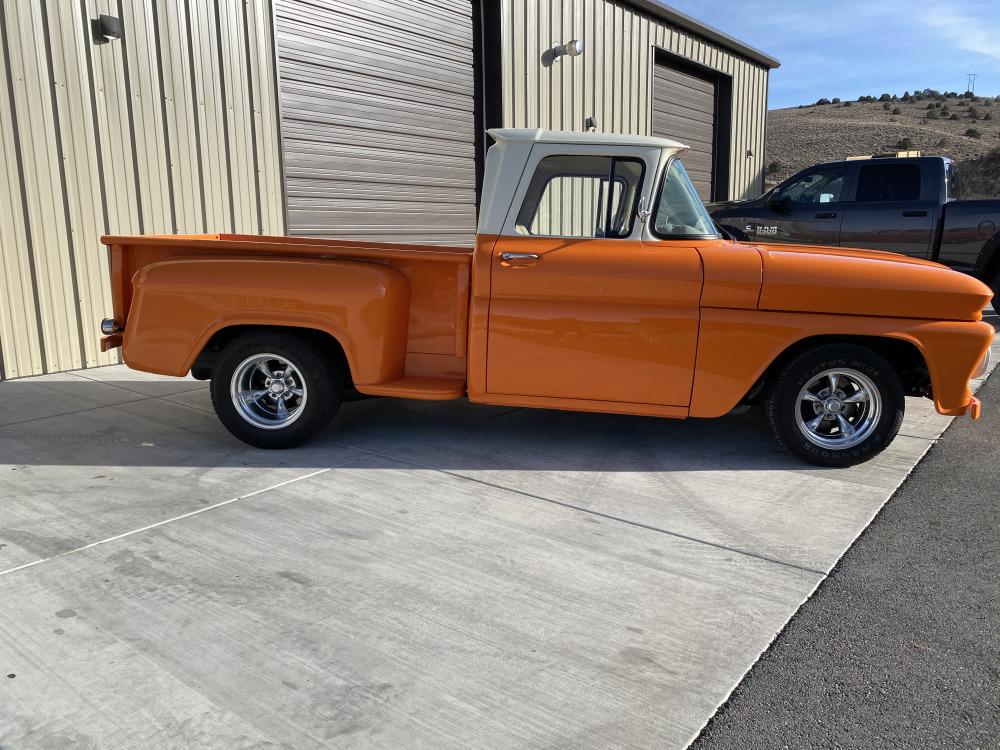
[(537, 135)]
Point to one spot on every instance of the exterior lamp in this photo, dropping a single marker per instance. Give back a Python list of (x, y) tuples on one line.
[(573, 48)]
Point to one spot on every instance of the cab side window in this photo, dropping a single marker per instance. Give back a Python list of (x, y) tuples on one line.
[(824, 185), (888, 182), (581, 196)]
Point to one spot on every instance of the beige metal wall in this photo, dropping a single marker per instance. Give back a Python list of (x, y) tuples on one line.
[(173, 128), (613, 79)]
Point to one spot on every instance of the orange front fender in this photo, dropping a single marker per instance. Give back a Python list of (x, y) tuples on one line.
[(178, 305), (735, 347)]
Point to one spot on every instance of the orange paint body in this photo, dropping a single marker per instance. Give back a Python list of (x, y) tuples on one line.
[(666, 328)]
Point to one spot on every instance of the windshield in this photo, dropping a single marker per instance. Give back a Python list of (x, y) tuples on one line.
[(680, 212)]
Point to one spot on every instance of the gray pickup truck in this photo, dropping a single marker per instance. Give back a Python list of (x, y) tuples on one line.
[(904, 205)]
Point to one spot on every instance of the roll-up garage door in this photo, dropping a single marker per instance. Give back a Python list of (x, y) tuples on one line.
[(377, 118), (684, 110)]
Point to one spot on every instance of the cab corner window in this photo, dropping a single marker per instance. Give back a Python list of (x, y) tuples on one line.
[(888, 182), (581, 196), (679, 211), (819, 186)]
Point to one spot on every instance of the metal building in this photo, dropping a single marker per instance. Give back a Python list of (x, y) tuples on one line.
[(348, 118)]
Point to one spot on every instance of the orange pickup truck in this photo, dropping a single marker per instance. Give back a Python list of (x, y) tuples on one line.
[(598, 282)]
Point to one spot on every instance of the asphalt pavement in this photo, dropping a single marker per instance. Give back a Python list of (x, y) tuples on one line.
[(900, 645)]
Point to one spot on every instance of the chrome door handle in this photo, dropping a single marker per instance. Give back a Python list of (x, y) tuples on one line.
[(520, 256)]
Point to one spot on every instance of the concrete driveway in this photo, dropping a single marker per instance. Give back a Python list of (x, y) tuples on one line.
[(438, 575)]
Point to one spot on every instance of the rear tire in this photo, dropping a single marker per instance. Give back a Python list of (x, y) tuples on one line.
[(835, 405), (274, 390)]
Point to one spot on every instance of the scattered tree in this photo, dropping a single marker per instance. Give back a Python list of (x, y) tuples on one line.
[(835, 100), (885, 98), (822, 101)]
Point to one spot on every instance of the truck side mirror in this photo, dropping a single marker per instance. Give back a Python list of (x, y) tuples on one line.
[(643, 211), (777, 203)]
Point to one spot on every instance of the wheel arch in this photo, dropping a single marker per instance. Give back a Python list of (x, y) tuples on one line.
[(326, 343), (903, 354)]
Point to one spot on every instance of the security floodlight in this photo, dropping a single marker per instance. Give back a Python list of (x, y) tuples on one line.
[(572, 48)]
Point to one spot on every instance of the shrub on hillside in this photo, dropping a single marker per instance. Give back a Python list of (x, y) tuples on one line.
[(974, 133), (904, 144), (885, 98), (973, 113), (774, 167), (897, 111), (822, 101), (887, 106), (848, 104), (835, 100), (932, 114), (953, 117)]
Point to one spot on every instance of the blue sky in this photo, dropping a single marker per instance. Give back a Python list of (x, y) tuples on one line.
[(847, 48)]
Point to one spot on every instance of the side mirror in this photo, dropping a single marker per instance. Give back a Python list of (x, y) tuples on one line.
[(777, 203), (643, 211)]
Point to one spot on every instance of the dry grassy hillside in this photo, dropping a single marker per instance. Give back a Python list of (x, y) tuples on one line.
[(934, 123)]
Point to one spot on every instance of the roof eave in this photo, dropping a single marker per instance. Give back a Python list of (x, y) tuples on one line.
[(686, 22)]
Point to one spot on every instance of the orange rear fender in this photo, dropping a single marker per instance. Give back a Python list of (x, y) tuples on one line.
[(178, 305)]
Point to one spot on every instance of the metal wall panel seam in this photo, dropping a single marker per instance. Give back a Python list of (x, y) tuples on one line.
[(156, 36), (279, 118), (19, 325), (253, 122), (130, 113), (225, 119), (19, 160), (189, 45)]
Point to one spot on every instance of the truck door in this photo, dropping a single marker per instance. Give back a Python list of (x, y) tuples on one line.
[(580, 307), (893, 208), (807, 210)]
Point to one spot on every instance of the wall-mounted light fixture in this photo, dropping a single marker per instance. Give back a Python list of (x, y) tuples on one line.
[(573, 48), (104, 29)]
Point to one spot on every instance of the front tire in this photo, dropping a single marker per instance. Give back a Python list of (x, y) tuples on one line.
[(273, 390), (836, 405)]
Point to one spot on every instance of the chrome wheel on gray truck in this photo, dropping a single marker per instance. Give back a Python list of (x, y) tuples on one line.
[(835, 405), (271, 389)]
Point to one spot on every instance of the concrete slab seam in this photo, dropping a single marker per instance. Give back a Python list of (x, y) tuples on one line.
[(164, 522), (607, 516)]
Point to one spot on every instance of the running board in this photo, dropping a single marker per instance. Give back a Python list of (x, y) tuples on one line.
[(423, 387)]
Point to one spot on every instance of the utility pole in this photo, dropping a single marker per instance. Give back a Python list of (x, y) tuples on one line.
[(971, 88)]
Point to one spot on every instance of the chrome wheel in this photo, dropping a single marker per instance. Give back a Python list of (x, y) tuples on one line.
[(838, 409), (268, 391)]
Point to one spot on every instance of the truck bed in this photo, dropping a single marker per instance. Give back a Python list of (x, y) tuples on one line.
[(436, 318)]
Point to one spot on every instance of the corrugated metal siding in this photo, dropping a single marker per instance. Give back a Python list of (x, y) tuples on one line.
[(378, 130), (171, 129), (612, 80)]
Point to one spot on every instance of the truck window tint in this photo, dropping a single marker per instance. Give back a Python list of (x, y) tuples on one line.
[(888, 182), (581, 196), (819, 186), (680, 212)]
